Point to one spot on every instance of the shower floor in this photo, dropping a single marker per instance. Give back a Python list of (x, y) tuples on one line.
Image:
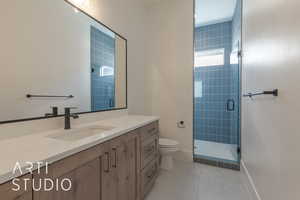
[(216, 150)]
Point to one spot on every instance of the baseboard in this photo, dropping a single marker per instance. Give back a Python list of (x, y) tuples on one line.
[(184, 155), (250, 183)]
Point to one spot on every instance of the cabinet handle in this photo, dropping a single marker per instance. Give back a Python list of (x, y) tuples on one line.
[(107, 159), (115, 164)]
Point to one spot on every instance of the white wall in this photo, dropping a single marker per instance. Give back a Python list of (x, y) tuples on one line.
[(37, 57), (270, 126), (120, 73), (169, 69)]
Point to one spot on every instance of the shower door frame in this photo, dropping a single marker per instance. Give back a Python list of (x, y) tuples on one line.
[(235, 165)]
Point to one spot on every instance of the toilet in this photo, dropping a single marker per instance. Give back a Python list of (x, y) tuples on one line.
[(167, 148)]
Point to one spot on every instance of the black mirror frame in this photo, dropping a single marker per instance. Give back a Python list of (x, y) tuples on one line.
[(80, 113)]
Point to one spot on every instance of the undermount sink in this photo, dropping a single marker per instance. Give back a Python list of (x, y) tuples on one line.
[(79, 133)]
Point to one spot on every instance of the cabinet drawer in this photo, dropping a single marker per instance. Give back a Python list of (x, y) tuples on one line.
[(149, 150), (149, 175), (25, 192), (149, 130)]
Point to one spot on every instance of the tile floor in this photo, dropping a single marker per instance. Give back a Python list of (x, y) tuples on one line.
[(193, 181), (216, 150)]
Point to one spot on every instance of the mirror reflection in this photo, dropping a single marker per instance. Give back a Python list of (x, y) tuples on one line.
[(53, 56)]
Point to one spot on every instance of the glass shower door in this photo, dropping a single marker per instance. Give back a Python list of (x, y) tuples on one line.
[(217, 99), (235, 64), (217, 86), (216, 113)]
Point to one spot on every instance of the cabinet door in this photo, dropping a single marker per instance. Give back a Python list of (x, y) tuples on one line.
[(149, 150), (148, 177), (25, 192), (82, 169), (120, 159), (85, 184), (127, 168), (132, 166), (120, 169)]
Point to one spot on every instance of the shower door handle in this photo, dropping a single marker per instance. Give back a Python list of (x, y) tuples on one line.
[(230, 105)]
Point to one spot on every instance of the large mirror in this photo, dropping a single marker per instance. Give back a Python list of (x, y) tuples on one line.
[(53, 55)]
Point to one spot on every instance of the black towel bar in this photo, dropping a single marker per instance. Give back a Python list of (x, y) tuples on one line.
[(272, 92), (48, 96)]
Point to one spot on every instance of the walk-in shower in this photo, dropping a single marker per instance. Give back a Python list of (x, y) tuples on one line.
[(217, 64)]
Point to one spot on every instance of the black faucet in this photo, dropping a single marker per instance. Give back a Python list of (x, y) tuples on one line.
[(54, 112), (68, 116)]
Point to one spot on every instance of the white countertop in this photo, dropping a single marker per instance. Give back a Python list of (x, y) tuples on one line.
[(38, 147)]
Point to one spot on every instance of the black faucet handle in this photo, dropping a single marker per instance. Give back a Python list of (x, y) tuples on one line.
[(54, 110)]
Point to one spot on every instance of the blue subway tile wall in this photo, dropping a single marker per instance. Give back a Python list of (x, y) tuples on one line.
[(213, 122), (102, 55)]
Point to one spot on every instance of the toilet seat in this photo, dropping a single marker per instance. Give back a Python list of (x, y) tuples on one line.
[(169, 148)]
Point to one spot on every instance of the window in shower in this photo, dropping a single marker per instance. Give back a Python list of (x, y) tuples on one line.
[(106, 71), (217, 80), (214, 57), (198, 89)]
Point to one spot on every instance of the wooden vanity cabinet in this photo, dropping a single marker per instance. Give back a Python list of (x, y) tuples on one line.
[(82, 169), (149, 147), (109, 171), (123, 168), (120, 169), (7, 193)]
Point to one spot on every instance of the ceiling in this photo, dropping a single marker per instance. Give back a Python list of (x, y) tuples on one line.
[(213, 11)]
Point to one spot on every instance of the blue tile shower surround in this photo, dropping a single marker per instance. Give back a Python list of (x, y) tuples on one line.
[(212, 121), (102, 54)]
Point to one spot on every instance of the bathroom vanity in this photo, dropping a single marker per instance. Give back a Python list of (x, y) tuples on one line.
[(66, 59), (116, 164)]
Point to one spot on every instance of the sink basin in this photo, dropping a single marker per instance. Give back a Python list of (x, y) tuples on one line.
[(80, 133)]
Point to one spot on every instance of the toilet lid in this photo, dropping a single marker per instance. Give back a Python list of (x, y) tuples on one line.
[(163, 142), (169, 148)]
